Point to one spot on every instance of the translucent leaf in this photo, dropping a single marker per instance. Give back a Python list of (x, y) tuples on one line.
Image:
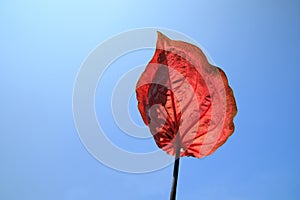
[(186, 102)]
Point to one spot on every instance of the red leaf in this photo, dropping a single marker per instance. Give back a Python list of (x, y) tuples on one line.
[(186, 102)]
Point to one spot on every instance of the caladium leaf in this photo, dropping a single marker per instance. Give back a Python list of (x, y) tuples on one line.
[(186, 102)]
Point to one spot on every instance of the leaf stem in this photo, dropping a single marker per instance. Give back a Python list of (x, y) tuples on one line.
[(175, 175)]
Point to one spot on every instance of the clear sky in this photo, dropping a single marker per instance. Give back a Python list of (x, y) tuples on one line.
[(42, 46)]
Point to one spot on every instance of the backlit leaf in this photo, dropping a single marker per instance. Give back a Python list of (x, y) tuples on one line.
[(186, 102)]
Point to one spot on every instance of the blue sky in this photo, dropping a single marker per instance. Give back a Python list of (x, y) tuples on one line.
[(42, 46)]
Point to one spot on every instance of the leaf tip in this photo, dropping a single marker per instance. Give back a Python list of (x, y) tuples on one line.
[(160, 34), (162, 40)]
